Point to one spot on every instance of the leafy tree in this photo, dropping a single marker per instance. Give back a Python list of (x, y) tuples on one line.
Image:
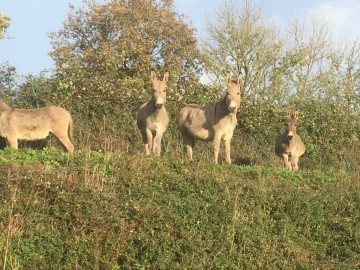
[(8, 81), (7, 76), (7, 72), (123, 39), (295, 65), (241, 42), (309, 60), (4, 24)]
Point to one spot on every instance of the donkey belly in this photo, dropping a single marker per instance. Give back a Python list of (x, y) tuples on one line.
[(31, 133)]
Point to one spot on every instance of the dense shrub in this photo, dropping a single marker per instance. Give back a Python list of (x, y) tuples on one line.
[(118, 211)]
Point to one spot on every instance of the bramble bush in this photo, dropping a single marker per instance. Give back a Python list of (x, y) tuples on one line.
[(328, 128), (118, 211)]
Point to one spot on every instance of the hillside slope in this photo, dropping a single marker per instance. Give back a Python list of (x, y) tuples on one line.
[(99, 210)]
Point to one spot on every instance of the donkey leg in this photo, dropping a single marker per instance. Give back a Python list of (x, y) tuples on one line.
[(189, 152), (12, 142), (294, 163), (227, 140), (149, 142), (217, 140), (66, 143), (189, 142), (145, 141), (157, 143), (287, 163)]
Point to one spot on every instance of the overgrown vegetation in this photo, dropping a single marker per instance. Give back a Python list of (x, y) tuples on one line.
[(106, 210), (109, 207)]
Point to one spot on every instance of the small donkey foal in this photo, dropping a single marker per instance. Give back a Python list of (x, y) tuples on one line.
[(289, 145)]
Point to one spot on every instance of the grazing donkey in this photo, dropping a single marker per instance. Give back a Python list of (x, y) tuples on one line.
[(35, 124), (211, 123), (153, 118), (289, 145)]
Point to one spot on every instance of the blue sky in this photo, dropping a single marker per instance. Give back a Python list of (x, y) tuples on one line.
[(28, 44)]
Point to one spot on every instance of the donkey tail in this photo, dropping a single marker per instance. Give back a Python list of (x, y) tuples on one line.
[(71, 130)]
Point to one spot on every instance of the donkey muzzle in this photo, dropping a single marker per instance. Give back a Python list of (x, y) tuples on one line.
[(290, 135), (232, 109)]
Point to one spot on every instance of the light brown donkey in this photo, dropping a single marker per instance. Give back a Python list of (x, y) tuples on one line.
[(289, 145), (35, 124), (211, 123), (153, 118)]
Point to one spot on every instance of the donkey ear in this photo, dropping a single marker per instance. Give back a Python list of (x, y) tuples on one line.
[(153, 76), (239, 79), (288, 114), (166, 76), (228, 79), (296, 115)]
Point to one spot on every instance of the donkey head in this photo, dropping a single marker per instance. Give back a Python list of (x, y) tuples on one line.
[(159, 89), (291, 124), (233, 96)]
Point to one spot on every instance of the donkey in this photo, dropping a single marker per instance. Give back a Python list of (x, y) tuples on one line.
[(153, 118), (289, 145), (213, 122), (36, 124)]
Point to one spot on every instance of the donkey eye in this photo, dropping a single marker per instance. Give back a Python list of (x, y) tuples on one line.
[(238, 93)]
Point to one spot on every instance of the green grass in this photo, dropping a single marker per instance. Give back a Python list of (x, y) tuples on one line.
[(102, 210)]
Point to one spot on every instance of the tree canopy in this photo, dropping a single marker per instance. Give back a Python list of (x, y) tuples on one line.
[(295, 64), (122, 39), (4, 24)]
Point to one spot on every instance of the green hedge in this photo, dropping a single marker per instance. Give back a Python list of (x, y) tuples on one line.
[(99, 210)]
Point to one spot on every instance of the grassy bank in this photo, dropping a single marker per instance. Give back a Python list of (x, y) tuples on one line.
[(101, 210)]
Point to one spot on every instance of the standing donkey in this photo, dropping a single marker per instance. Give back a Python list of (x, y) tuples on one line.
[(289, 145), (35, 124), (152, 117), (211, 123)]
